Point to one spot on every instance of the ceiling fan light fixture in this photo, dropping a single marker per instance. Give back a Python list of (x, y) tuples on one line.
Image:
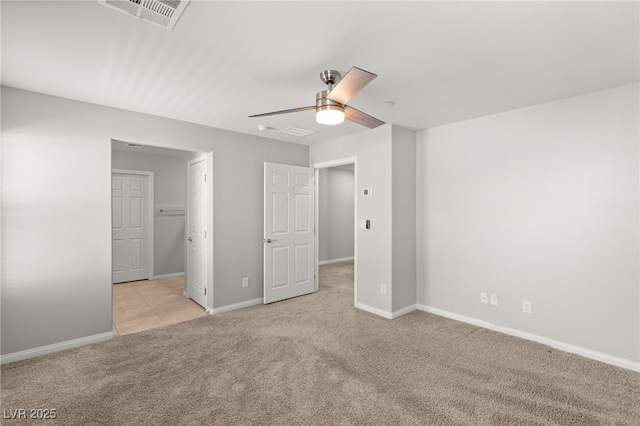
[(327, 111), (330, 115)]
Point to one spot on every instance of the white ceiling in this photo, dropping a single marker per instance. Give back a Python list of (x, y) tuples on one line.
[(440, 62)]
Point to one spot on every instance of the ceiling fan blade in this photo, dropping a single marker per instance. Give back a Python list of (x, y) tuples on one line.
[(353, 82), (361, 118), (285, 111)]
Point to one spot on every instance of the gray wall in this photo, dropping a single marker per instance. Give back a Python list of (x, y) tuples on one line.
[(56, 222), (386, 252), (373, 150), (541, 204), (336, 213), (404, 217), (170, 189)]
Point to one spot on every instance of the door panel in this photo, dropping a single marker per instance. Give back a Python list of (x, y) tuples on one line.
[(302, 213), (301, 264), (280, 213), (288, 231)]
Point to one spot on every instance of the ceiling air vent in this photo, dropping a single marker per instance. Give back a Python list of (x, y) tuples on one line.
[(297, 131), (164, 13)]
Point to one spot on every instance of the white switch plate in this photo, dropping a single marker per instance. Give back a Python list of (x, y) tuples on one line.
[(362, 224), (484, 297), (245, 282), (495, 299), (526, 306), (383, 288)]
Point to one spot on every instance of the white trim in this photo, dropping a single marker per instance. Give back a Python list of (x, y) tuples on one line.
[(457, 317), (327, 262), (386, 314), (150, 217), (376, 311), (160, 277), (56, 347), (325, 165), (404, 311), (235, 306), (210, 251), (567, 347)]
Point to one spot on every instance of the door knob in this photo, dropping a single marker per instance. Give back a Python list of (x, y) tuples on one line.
[(269, 240)]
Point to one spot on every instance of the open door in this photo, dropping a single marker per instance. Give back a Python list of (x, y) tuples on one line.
[(197, 247), (289, 231)]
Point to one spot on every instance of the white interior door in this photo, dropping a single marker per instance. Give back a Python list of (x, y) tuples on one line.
[(289, 235), (130, 239), (197, 276)]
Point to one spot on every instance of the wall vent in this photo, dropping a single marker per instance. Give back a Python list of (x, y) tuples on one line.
[(164, 13), (297, 131)]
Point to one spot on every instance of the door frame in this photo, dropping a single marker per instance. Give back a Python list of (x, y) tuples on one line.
[(208, 157), (149, 226), (326, 165)]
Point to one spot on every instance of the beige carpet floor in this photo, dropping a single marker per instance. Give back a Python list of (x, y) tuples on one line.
[(316, 360)]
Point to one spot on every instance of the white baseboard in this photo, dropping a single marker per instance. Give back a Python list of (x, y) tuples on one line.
[(404, 311), (160, 277), (56, 347), (372, 310), (587, 353), (238, 305), (386, 314), (327, 262)]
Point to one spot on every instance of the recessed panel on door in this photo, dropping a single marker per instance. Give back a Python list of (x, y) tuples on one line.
[(117, 184), (136, 212), (302, 263), (136, 185), (302, 213), (117, 206), (301, 180), (117, 259), (136, 254), (280, 178), (280, 205), (280, 258)]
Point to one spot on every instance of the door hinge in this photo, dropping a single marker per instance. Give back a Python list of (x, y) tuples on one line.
[(205, 234), (205, 291), (205, 177)]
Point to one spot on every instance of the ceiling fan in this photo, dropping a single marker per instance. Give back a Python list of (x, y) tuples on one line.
[(331, 104)]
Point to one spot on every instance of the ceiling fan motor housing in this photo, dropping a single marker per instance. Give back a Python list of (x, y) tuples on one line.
[(325, 103)]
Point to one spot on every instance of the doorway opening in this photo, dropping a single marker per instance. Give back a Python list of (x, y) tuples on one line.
[(336, 219), (161, 295)]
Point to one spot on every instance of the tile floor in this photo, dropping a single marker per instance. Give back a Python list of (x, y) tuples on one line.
[(142, 305)]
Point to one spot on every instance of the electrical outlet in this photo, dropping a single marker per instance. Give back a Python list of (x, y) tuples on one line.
[(245, 282), (383, 288), (495, 299), (526, 306), (484, 297)]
